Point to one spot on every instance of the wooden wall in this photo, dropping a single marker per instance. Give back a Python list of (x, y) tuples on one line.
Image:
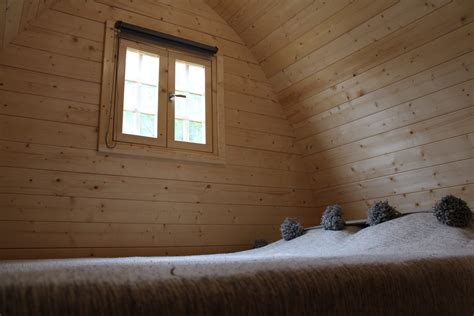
[(380, 93), (15, 14), (375, 96), (59, 197)]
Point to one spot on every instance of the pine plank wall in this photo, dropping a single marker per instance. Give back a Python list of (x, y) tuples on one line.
[(344, 101), (379, 93), (60, 198)]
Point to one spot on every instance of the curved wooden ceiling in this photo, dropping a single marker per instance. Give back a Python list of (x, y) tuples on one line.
[(370, 87), (301, 45), (306, 46), (14, 14)]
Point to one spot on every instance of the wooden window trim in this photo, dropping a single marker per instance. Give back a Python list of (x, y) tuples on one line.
[(107, 143)]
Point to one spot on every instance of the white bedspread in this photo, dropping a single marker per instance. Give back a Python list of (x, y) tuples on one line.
[(409, 260)]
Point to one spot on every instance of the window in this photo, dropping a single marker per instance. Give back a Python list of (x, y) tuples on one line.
[(160, 101), (140, 103), (190, 79)]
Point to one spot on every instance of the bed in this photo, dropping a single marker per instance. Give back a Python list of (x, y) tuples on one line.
[(412, 265)]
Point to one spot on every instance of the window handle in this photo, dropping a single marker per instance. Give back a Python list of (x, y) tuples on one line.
[(172, 96)]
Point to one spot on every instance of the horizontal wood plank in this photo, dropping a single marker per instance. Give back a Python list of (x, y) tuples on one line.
[(45, 108), (44, 157), (62, 235), (41, 61), (271, 20), (26, 81), (416, 201), (438, 128), (24, 129), (60, 43), (20, 207), (274, 48), (421, 31), (258, 122), (436, 153), (32, 181), (315, 55), (87, 15), (182, 18), (413, 72), (445, 175), (432, 105)]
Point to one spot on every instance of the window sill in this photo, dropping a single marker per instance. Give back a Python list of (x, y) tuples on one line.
[(140, 150)]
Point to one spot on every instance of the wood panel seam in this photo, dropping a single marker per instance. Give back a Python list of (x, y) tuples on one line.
[(381, 133)]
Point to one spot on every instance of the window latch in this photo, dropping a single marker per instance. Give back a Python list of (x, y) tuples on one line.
[(172, 96)]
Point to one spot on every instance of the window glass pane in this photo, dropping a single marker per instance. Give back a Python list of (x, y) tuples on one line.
[(197, 132), (148, 99), (179, 130), (148, 74), (181, 77), (129, 123), (140, 115), (147, 125), (181, 108), (130, 95), (196, 79), (190, 112), (132, 65), (196, 107)]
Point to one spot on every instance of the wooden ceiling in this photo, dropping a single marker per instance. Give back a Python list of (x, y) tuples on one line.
[(290, 38), (302, 44), (370, 86), (15, 14)]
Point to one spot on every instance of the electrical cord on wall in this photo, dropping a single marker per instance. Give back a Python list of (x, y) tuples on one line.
[(114, 92)]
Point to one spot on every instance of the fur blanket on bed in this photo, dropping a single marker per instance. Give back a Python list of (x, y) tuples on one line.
[(412, 265)]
